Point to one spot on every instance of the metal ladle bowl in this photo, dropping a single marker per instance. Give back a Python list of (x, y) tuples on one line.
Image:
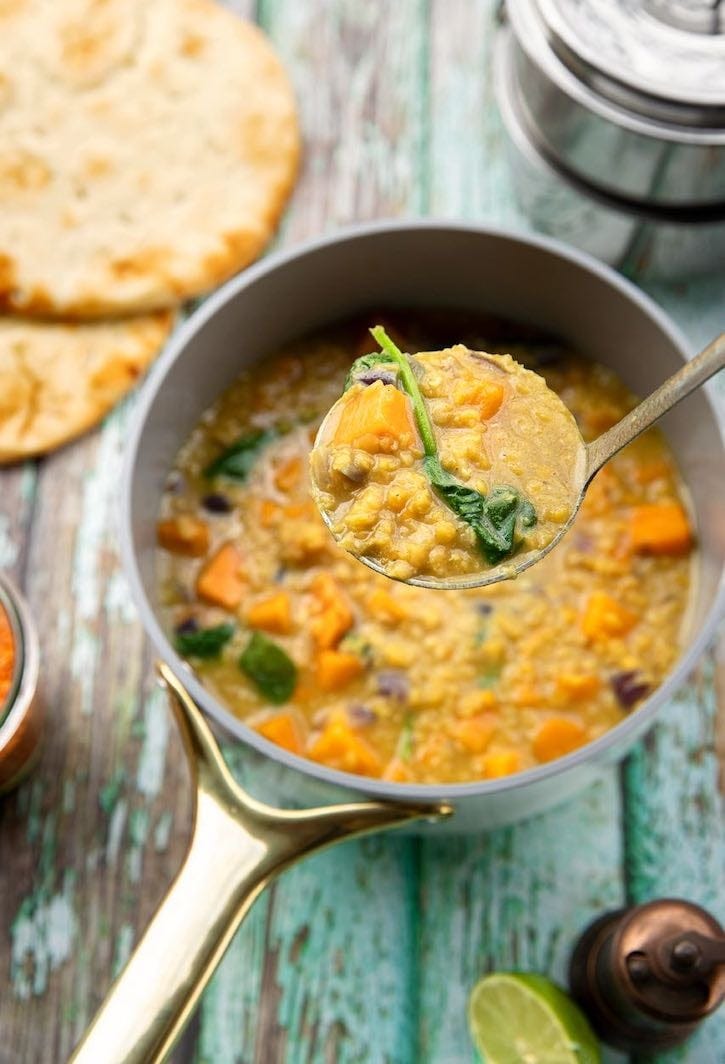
[(595, 454)]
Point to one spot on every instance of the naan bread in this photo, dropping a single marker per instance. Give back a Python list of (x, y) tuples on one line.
[(57, 380), (147, 148)]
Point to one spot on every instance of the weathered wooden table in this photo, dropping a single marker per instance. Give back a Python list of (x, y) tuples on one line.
[(366, 953)]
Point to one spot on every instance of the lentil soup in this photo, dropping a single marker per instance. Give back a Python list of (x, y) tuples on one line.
[(339, 664), (446, 464)]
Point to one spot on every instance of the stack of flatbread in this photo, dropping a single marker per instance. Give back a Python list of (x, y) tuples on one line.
[(147, 148)]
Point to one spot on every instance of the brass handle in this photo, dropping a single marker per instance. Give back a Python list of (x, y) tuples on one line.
[(238, 846), (698, 370)]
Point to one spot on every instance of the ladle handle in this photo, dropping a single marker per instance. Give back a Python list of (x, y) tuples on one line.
[(691, 376), (238, 845)]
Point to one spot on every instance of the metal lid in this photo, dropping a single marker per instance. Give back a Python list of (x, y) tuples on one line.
[(662, 51)]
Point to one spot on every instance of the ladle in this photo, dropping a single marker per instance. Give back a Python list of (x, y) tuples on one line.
[(677, 387)]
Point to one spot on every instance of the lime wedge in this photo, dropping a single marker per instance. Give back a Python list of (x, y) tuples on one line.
[(521, 1018)]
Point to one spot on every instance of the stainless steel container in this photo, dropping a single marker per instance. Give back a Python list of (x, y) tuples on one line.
[(615, 111)]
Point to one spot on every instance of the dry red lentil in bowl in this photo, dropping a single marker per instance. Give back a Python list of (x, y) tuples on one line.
[(337, 663)]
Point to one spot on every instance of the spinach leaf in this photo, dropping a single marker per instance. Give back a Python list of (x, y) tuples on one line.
[(363, 364), (237, 460), (489, 676), (269, 667), (494, 517), (404, 748), (205, 642)]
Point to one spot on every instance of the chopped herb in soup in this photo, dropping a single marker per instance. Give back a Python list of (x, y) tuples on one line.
[(337, 663), (446, 464)]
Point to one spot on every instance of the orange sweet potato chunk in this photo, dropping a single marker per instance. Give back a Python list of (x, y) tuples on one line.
[(558, 736), (485, 394), (604, 617), (184, 535), (221, 580), (271, 614), (333, 616), (284, 730), (340, 747), (377, 418), (473, 733), (660, 528), (336, 668)]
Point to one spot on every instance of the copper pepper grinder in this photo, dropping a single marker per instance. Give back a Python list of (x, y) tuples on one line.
[(646, 976)]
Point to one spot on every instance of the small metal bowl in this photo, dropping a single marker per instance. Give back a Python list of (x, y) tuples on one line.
[(615, 114), (21, 713)]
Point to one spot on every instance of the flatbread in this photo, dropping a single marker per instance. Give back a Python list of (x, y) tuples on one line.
[(147, 148), (58, 380)]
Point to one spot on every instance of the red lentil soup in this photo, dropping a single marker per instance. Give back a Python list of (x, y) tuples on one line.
[(341, 665)]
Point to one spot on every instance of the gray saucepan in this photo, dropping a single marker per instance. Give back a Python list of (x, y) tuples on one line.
[(238, 843)]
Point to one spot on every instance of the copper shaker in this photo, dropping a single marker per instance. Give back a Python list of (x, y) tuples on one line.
[(648, 975)]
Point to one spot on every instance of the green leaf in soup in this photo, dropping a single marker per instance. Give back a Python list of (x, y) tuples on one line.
[(494, 517), (404, 749), (205, 642), (269, 667), (237, 460)]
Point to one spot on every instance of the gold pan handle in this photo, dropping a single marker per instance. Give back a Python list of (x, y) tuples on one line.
[(238, 846)]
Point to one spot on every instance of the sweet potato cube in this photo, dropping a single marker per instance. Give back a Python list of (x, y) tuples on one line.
[(271, 614), (377, 418), (284, 730), (502, 763), (660, 528), (221, 580), (334, 617), (184, 534), (577, 686), (385, 607), (340, 747), (473, 733), (558, 736), (486, 395), (336, 668), (288, 474), (604, 617)]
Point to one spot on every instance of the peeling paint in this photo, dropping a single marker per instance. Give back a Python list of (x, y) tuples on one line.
[(85, 652), (138, 828), (162, 832), (116, 826), (152, 760), (43, 936), (124, 945), (118, 602), (9, 550)]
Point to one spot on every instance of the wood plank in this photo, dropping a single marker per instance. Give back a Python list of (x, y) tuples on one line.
[(84, 830), (675, 836), (517, 898), (336, 932), (17, 497)]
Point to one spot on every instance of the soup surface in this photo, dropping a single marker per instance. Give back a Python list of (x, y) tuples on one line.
[(341, 665), (446, 464)]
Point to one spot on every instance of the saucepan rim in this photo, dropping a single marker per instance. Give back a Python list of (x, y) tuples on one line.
[(213, 708)]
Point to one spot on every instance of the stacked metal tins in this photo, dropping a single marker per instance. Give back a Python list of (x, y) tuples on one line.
[(615, 114)]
